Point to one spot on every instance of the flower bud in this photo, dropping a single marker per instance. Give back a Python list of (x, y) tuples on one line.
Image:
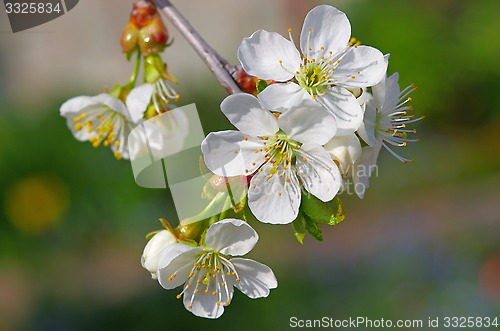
[(149, 259), (145, 30), (247, 83)]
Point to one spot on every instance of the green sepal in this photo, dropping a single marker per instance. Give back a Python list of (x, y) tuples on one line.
[(331, 212), (152, 234), (313, 228), (128, 55), (166, 225), (188, 242), (116, 91), (299, 229), (261, 85)]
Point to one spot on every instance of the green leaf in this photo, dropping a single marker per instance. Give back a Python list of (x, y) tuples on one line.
[(261, 85), (313, 228), (331, 213), (299, 229)]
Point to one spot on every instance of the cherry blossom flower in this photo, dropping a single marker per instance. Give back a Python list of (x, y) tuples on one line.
[(386, 117), (330, 66), (210, 272), (283, 155), (104, 119)]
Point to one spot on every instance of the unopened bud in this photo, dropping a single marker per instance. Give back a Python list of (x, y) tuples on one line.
[(247, 83), (145, 30), (149, 259)]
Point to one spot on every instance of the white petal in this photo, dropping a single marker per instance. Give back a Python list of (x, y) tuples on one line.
[(176, 259), (246, 114), (344, 107), (231, 237), (77, 105), (138, 100), (364, 169), (308, 122), (274, 199), (366, 64), (392, 93), (227, 153), (155, 245), (319, 174), (203, 304), (331, 31), (379, 89), (261, 53), (256, 279), (281, 97), (367, 129), (121, 128), (345, 150), (112, 103)]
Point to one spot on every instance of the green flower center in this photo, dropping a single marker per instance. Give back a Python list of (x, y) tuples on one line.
[(280, 150), (314, 77)]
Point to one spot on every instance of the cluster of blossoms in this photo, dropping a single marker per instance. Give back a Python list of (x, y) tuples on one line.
[(314, 124), (109, 118)]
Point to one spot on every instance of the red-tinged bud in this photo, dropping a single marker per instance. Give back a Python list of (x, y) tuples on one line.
[(250, 84), (145, 30), (246, 82), (130, 37), (153, 38)]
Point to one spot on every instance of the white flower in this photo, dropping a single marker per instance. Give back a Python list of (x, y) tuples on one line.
[(331, 64), (386, 117), (155, 245), (209, 273), (278, 152), (104, 119)]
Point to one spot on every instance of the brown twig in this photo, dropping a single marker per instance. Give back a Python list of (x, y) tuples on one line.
[(219, 66)]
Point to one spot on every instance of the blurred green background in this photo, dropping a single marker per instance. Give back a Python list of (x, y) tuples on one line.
[(423, 243)]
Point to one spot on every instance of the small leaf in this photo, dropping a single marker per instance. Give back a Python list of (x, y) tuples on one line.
[(313, 228), (331, 212), (261, 85), (299, 229)]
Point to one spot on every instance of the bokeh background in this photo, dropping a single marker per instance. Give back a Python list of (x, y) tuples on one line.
[(425, 241)]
